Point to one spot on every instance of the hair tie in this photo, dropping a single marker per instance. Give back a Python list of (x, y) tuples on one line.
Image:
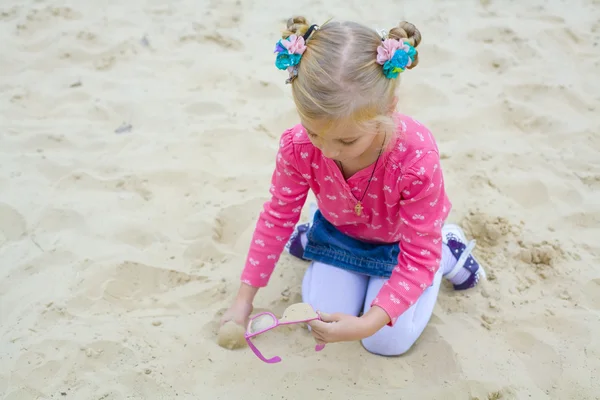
[(290, 50), (309, 32), (395, 56)]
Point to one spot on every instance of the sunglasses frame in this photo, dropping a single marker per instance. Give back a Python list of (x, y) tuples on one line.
[(276, 323)]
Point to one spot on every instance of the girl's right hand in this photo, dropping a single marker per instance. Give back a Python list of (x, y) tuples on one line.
[(242, 306), (239, 313)]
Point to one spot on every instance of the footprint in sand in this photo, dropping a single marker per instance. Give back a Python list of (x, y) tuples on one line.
[(135, 280), (431, 361), (130, 285), (542, 362), (12, 224), (438, 360), (237, 221)]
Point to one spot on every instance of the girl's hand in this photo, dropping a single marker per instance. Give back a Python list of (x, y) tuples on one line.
[(338, 327), (242, 306), (341, 327), (239, 313)]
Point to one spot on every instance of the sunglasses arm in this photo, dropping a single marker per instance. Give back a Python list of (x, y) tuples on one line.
[(273, 360)]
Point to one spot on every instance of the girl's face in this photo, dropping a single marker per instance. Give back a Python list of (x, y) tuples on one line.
[(340, 142)]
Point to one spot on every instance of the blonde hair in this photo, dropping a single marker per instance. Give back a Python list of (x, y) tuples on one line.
[(339, 78)]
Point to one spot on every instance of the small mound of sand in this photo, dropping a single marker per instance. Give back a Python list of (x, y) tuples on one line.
[(231, 336), (489, 230)]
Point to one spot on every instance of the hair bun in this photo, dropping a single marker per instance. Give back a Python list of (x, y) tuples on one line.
[(406, 30), (296, 26), (409, 32)]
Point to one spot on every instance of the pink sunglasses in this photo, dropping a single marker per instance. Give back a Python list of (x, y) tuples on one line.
[(265, 321)]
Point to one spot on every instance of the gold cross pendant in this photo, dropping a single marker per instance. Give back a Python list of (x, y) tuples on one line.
[(358, 209)]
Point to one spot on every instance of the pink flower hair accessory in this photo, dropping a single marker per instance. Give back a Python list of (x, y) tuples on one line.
[(290, 50), (395, 56), (387, 49), (294, 44)]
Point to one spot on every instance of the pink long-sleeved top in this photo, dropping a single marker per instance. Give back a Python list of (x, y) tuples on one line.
[(406, 203)]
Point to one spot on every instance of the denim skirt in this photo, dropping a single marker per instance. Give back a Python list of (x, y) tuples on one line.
[(326, 244)]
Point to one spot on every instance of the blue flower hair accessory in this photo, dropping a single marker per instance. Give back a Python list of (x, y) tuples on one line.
[(289, 52), (395, 56)]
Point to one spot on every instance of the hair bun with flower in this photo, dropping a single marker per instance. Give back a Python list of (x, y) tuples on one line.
[(290, 49), (397, 51), (395, 56)]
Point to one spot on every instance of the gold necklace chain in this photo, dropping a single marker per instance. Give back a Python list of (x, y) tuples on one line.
[(358, 208)]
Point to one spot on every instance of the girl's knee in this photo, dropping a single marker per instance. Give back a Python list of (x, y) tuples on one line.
[(383, 347), (329, 289)]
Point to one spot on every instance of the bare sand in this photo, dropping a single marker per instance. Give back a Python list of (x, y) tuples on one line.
[(137, 139)]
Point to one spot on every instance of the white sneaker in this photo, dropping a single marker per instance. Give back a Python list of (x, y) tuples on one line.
[(454, 237)]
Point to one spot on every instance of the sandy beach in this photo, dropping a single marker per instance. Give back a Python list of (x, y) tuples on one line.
[(137, 141)]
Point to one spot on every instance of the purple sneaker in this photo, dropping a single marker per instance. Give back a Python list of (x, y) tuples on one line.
[(294, 245), (456, 241)]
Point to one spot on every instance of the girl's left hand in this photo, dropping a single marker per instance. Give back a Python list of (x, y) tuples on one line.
[(338, 327)]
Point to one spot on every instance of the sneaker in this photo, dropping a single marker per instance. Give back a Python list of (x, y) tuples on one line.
[(455, 239), (294, 245)]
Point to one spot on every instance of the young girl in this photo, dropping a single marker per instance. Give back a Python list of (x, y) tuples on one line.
[(377, 244)]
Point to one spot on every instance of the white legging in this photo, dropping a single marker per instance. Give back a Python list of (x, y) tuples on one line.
[(330, 290)]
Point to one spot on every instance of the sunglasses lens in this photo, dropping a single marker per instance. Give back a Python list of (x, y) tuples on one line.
[(261, 323)]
